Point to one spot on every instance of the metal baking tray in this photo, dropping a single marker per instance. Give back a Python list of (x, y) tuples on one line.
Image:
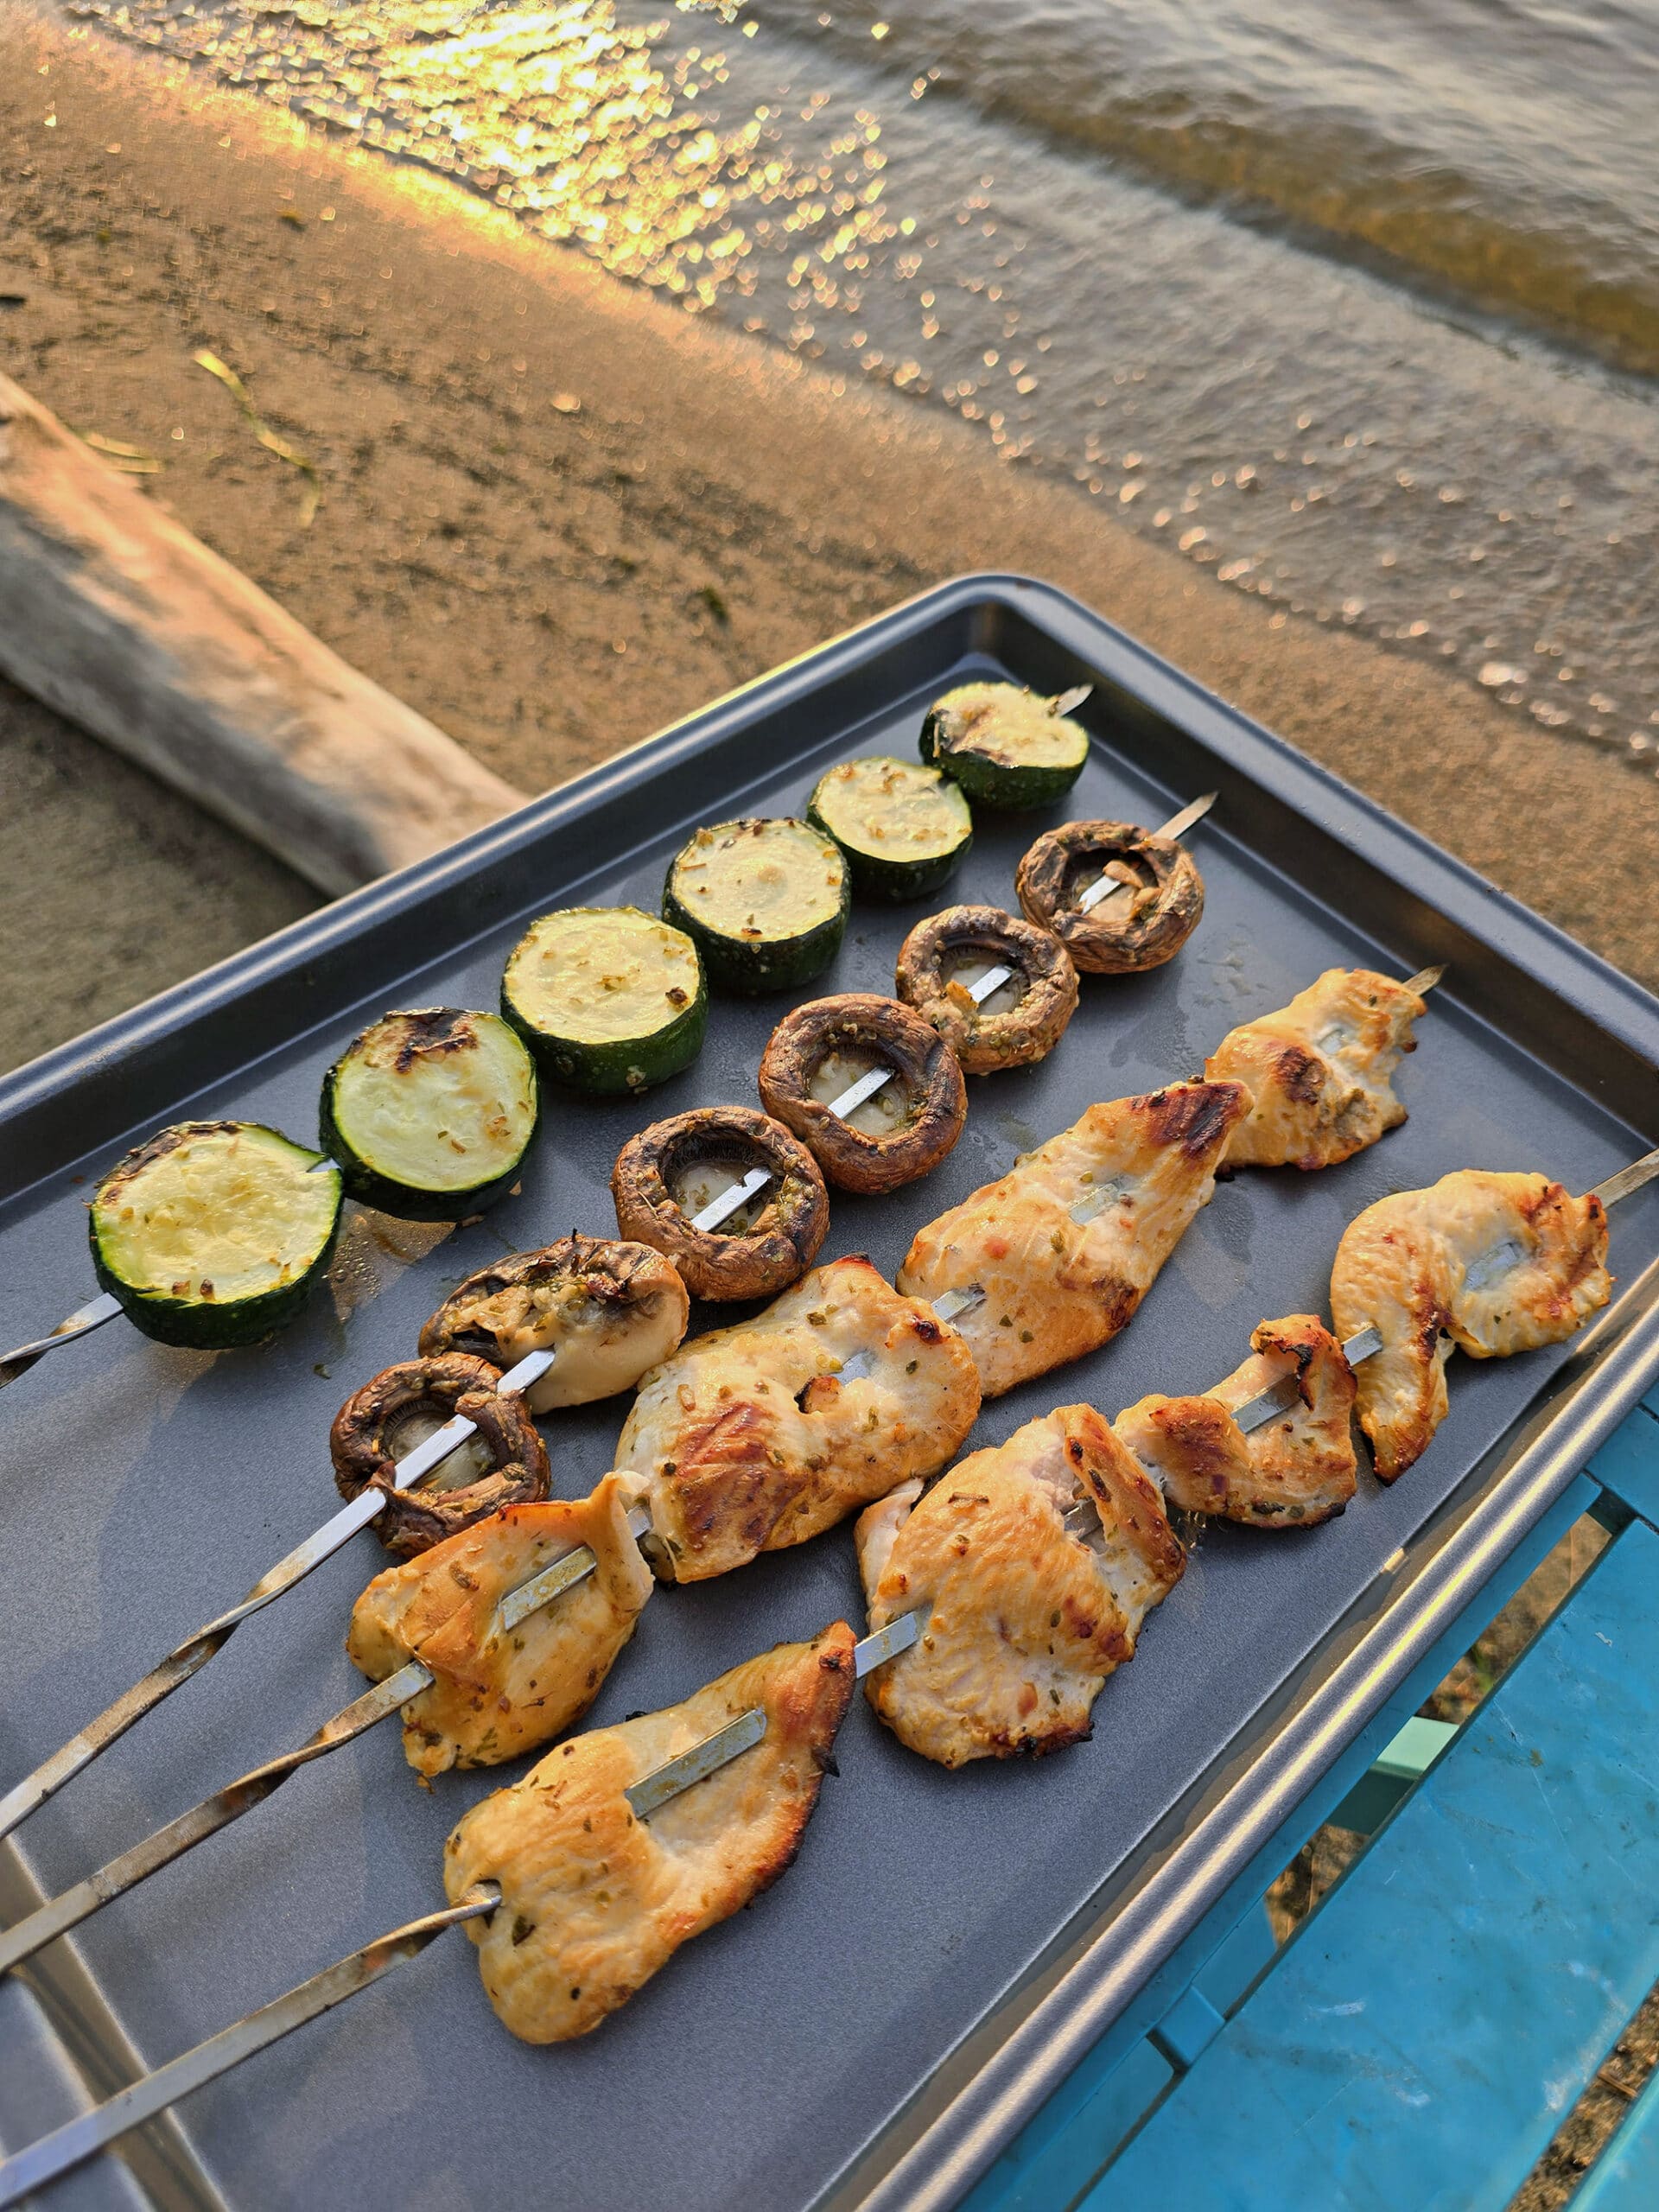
[(876, 2026)]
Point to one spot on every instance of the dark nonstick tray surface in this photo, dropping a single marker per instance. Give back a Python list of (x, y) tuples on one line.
[(144, 1488)]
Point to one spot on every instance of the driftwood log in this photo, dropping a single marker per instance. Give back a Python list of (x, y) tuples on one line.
[(114, 614)]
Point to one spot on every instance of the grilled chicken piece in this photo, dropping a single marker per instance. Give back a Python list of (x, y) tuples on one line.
[(1491, 1263), (751, 1440), (1021, 1622), (495, 1695), (1319, 1071), (1067, 1245), (594, 1900), (1293, 1470)]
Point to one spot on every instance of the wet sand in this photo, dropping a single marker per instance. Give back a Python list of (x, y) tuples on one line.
[(558, 513)]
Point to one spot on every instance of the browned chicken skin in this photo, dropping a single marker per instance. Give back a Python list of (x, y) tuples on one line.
[(751, 1440), (1295, 1470), (1490, 1263), (1321, 1070), (1062, 1278), (494, 1695), (1023, 1621), (594, 1900)]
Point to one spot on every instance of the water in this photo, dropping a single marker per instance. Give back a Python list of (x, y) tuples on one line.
[(1358, 308)]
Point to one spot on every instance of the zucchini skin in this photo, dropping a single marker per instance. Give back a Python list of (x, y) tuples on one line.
[(996, 784), (775, 964), (197, 1324), (403, 1200), (876, 877), (622, 1066)]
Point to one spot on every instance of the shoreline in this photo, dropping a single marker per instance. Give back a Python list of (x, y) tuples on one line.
[(558, 512)]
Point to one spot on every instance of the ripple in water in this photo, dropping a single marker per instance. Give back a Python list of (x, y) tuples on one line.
[(973, 222)]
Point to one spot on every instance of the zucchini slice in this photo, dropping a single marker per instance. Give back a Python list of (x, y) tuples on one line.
[(609, 998), (903, 829), (765, 900), (212, 1233), (431, 1113), (1006, 746)]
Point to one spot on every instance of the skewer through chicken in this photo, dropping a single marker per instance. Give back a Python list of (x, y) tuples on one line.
[(595, 1898), (1067, 1245), (498, 1692), (1291, 1471), (1020, 1620), (751, 1439), (1489, 1264), (1321, 1070)]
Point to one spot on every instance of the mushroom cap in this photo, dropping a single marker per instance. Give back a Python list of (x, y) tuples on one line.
[(717, 1264), (1139, 928), (886, 1031), (981, 1040), (366, 1427)]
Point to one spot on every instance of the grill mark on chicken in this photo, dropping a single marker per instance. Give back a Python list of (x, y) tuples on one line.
[(596, 1901), (495, 1695), (1292, 1471), (1321, 1071), (752, 1441), (1021, 1622), (1430, 1271), (1055, 1286)]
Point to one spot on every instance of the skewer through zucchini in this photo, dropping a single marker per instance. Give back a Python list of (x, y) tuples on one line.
[(904, 828), (766, 901), (1005, 745), (212, 1233), (609, 998), (431, 1113)]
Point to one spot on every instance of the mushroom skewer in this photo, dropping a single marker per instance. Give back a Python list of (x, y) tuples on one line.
[(1106, 885), (448, 1618), (193, 1653), (31, 2168)]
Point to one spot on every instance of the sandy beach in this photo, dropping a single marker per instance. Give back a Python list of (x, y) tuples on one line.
[(557, 513)]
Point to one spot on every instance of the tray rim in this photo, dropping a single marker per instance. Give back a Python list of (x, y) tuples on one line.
[(1457, 892), (959, 2141)]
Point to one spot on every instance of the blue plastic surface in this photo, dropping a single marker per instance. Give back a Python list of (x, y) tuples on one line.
[(1625, 2178), (1503, 1930), (1628, 1463)]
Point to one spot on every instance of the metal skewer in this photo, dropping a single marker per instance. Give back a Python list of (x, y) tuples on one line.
[(1105, 884), (81, 1323), (32, 2168), (187, 1658)]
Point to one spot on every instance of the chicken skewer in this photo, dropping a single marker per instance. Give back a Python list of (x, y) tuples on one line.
[(597, 1353), (444, 1616), (187, 1657), (1487, 1263), (790, 1704)]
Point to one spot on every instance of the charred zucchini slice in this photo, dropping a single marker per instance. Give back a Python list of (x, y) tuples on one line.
[(665, 1176), (904, 828), (1022, 1019), (1006, 746), (609, 1311), (609, 998), (766, 901), (212, 1233), (820, 1049), (431, 1113)]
